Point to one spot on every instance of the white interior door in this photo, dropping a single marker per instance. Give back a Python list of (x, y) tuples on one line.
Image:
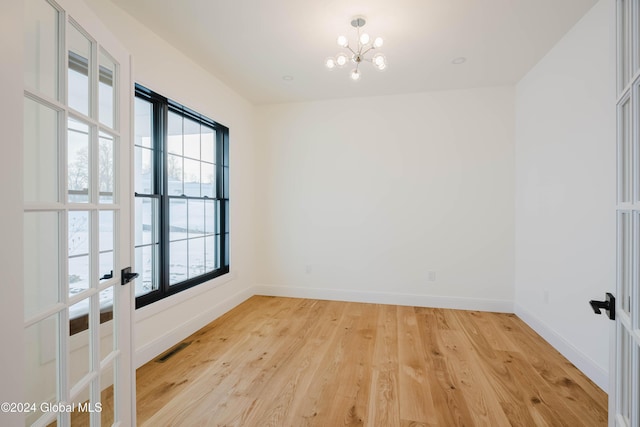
[(77, 192), (624, 391)]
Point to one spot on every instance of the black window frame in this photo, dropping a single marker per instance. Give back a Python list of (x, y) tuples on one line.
[(160, 110)]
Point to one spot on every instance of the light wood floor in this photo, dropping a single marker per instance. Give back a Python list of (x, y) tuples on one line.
[(294, 362)]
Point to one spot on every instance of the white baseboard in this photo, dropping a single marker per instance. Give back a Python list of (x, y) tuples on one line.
[(174, 336), (479, 304), (588, 367)]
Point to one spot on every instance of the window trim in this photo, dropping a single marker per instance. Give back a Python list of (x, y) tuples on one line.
[(161, 107)]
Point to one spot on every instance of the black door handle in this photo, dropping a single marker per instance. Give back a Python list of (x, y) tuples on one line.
[(127, 276), (609, 305)]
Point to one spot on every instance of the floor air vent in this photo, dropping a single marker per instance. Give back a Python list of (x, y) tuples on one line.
[(172, 352)]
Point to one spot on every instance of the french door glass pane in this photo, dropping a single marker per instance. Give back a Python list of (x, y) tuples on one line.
[(79, 360), (40, 152), (106, 238), (41, 273), (624, 388), (624, 258), (40, 361), (107, 415), (106, 322), (78, 177), (80, 64), (78, 229), (78, 417), (41, 41), (625, 170), (624, 47), (106, 89), (106, 176)]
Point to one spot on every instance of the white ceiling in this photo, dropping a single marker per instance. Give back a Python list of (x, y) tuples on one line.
[(251, 44)]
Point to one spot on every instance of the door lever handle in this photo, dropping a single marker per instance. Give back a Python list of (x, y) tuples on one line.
[(609, 305), (127, 276)]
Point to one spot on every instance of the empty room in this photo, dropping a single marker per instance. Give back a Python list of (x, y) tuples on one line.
[(320, 213)]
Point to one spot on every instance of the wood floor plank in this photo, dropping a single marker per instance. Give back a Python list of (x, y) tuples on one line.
[(352, 393), (416, 401), (293, 362), (331, 407), (462, 389), (384, 406)]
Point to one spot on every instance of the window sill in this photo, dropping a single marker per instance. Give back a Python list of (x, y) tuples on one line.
[(166, 303)]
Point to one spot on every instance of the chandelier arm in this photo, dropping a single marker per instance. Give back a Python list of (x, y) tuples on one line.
[(352, 51), (370, 48)]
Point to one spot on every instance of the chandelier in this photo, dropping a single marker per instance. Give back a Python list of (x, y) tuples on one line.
[(357, 52)]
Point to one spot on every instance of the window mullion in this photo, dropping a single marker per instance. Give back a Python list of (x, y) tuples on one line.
[(162, 184)]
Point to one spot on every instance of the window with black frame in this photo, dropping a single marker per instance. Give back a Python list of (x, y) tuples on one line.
[(181, 178)]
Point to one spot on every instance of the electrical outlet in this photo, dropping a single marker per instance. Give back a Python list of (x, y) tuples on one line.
[(432, 276)]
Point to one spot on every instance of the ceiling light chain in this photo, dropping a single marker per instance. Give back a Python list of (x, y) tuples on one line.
[(378, 60)]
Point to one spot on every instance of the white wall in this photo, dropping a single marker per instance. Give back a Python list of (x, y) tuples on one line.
[(162, 68), (565, 192), (362, 198), (11, 300)]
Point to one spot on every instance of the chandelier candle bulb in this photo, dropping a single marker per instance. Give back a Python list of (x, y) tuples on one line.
[(330, 63), (359, 51)]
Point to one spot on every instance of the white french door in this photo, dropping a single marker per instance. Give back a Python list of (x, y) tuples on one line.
[(624, 390), (77, 227)]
